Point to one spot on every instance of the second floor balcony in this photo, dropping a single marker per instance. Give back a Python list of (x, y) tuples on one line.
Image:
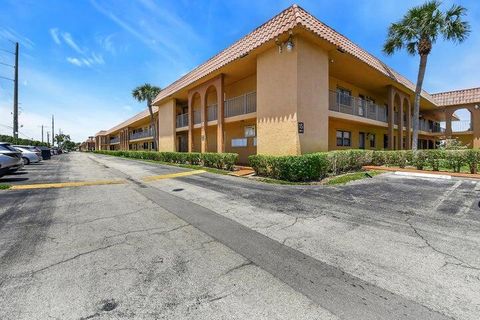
[(115, 140), (347, 104), (244, 104), (141, 134)]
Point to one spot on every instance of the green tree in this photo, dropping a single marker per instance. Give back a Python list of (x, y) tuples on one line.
[(147, 93), (417, 32)]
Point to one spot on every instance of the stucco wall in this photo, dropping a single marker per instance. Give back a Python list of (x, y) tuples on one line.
[(236, 130), (277, 103), (292, 87), (312, 80), (354, 129), (245, 85), (166, 126)]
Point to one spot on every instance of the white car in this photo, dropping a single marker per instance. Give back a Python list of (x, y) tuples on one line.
[(10, 159), (28, 156)]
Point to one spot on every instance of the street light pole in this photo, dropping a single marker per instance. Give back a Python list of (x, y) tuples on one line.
[(15, 95)]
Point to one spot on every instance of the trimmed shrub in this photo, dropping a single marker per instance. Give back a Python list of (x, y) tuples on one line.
[(308, 167), (419, 159), (224, 161), (472, 159), (435, 158), (455, 159), (348, 160)]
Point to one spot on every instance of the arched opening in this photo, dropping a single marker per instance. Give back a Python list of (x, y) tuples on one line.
[(407, 122), (397, 104), (212, 114), (197, 119), (462, 120)]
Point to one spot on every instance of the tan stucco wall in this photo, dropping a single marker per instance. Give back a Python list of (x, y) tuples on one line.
[(354, 129), (277, 103), (166, 126), (312, 80), (292, 87), (236, 130), (240, 87)]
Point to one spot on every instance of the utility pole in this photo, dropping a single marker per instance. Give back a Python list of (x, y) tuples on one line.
[(15, 95), (48, 138), (53, 131), (42, 133)]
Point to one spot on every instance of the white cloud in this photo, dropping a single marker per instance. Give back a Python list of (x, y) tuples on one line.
[(55, 35), (67, 37), (75, 61), (127, 107)]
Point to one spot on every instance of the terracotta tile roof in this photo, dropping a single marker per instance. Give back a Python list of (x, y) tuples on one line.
[(457, 97), (288, 19), (101, 133), (138, 116)]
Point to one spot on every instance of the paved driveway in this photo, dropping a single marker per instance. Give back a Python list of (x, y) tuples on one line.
[(206, 246)]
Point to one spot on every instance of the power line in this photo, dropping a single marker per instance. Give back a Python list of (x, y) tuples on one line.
[(7, 78)]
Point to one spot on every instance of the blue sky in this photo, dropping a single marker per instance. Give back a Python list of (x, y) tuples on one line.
[(81, 59)]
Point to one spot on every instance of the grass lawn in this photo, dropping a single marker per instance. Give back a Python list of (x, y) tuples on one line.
[(4, 186), (348, 177)]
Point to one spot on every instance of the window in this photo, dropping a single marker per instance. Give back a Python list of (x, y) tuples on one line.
[(343, 139), (361, 140), (372, 140), (236, 143), (385, 141), (250, 131), (255, 141), (344, 96)]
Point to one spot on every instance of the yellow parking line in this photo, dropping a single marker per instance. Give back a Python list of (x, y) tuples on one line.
[(65, 184), (173, 175)]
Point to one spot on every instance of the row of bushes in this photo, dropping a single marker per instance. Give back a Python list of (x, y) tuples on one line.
[(20, 141), (319, 165), (224, 161)]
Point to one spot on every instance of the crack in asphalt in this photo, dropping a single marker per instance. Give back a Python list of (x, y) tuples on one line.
[(74, 257), (248, 263), (429, 245)]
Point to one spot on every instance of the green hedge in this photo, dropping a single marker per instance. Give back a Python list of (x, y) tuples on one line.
[(23, 142), (224, 161), (315, 166), (291, 168)]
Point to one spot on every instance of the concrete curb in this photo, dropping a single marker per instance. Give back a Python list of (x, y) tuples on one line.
[(423, 175)]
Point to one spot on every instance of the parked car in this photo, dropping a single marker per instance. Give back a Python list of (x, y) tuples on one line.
[(11, 159), (29, 156), (35, 149)]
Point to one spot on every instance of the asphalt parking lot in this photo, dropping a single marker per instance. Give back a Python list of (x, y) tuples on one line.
[(204, 246)]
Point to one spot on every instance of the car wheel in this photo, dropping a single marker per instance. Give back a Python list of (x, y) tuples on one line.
[(26, 161)]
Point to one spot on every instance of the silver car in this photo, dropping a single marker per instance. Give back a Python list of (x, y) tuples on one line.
[(29, 155), (10, 159)]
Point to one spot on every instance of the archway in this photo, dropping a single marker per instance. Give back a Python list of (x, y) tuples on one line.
[(197, 119), (462, 120), (211, 104)]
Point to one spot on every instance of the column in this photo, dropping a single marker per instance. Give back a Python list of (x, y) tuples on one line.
[(190, 123), (204, 121), (409, 125), (391, 117), (448, 123), (220, 116), (400, 126)]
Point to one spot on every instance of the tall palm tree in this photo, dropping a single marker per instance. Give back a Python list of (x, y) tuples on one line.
[(418, 30), (147, 93)]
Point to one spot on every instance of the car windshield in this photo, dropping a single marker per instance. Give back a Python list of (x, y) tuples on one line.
[(6, 147)]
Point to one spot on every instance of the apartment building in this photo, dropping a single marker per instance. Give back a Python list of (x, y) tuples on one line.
[(294, 86)]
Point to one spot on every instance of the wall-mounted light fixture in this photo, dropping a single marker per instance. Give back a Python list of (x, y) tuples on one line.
[(289, 44), (477, 107)]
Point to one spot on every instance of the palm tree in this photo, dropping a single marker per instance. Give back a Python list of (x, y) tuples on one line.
[(418, 30), (147, 93)]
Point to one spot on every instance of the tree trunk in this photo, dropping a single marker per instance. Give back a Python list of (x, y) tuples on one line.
[(418, 94), (153, 125)]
